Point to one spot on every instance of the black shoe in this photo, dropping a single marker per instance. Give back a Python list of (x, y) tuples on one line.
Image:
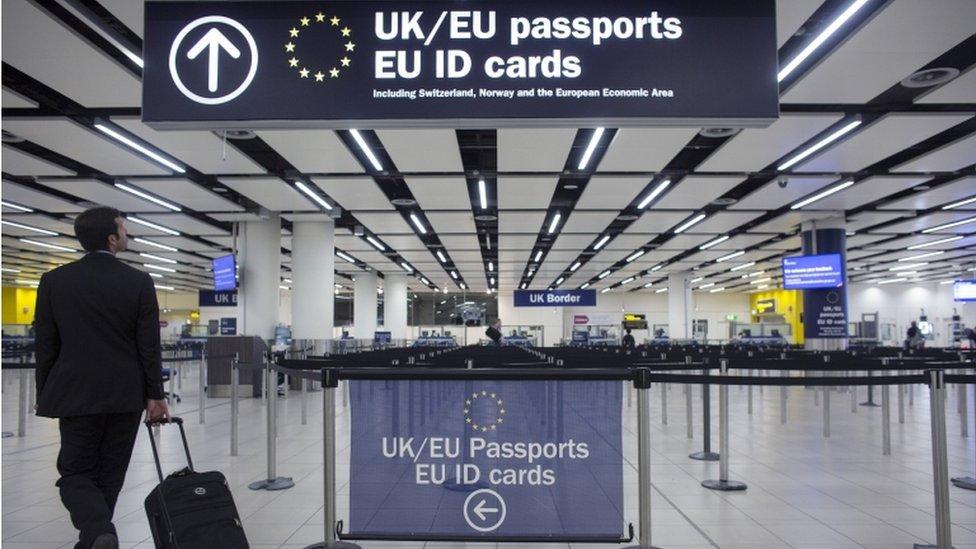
[(106, 541)]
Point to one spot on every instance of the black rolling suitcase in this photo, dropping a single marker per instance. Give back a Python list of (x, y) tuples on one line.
[(190, 510)]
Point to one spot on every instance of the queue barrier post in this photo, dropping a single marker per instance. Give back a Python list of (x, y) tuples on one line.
[(664, 403), (689, 407), (273, 481), (749, 391), (940, 462), (707, 454), (870, 401), (642, 384), (901, 402), (22, 405), (826, 412), (202, 386), (235, 376), (782, 403), (723, 483), (966, 483), (304, 401), (330, 382), (885, 421), (963, 411)]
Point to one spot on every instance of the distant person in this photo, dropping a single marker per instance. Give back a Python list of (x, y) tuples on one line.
[(628, 340), (98, 367), (494, 333), (914, 337), (970, 337)]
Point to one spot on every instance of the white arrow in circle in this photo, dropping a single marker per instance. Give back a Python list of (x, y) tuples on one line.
[(481, 510), (213, 41)]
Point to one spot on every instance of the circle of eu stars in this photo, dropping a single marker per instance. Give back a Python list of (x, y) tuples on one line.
[(491, 425), (307, 24)]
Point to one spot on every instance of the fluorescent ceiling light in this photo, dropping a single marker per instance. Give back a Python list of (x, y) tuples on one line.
[(654, 194), (757, 273), (46, 245), (908, 266), (482, 194), (743, 266), (282, 286), (488, 241), (425, 281), (13, 206), (538, 255), (604, 274), (922, 256), (947, 282), (559, 280), (366, 150), (406, 267), (525, 285), (648, 285), (820, 39), (688, 224), (554, 223), (761, 280), (313, 195), (491, 266), (934, 242), (30, 228), (715, 242), (147, 196), (170, 288), (155, 275), (417, 223), (141, 148), (657, 267), (716, 290), (818, 145), (454, 275), (491, 281), (705, 286), (960, 203), (376, 243), (348, 258), (966, 221), (635, 255), (155, 244), (605, 290), (601, 242), (732, 255), (699, 279), (892, 280), (762, 287), (463, 286), (440, 256), (26, 281), (530, 272), (158, 258), (627, 281), (7, 270), (152, 225), (585, 286), (661, 291), (590, 148), (158, 268), (822, 194), (575, 266)]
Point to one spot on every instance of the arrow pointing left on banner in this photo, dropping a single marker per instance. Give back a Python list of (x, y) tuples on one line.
[(213, 41), (481, 510)]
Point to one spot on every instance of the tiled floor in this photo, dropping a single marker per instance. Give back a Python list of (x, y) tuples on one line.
[(804, 491)]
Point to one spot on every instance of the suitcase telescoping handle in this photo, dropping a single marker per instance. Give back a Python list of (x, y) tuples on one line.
[(152, 441)]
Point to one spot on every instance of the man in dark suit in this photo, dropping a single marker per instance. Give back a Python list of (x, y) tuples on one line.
[(98, 367)]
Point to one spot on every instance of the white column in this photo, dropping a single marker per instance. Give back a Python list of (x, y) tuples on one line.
[(680, 304), (395, 305), (260, 274), (313, 279), (364, 306)]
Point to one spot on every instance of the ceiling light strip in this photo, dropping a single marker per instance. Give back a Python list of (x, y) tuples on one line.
[(141, 148), (363, 146), (805, 53), (819, 145), (147, 196), (313, 195)]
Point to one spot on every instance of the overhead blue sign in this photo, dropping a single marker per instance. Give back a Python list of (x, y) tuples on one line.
[(555, 298), (225, 273), (210, 298), (808, 272), (486, 458)]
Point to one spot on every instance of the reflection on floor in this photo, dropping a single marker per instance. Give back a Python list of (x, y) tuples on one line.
[(804, 491)]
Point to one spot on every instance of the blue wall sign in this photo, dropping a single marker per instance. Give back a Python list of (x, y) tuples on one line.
[(555, 298), (825, 309), (210, 298), (228, 326), (809, 272), (486, 458)]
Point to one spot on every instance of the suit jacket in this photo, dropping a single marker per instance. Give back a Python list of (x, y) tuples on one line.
[(97, 339)]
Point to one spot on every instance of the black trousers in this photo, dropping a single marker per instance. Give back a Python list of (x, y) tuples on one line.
[(95, 453)]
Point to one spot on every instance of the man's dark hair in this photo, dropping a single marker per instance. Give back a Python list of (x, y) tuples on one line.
[(93, 227)]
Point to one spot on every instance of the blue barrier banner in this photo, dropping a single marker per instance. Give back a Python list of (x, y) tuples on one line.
[(555, 298), (486, 458)]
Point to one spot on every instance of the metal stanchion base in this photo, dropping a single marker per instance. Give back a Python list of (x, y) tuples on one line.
[(724, 485), (277, 483), (8, 434), (871, 403), (704, 456), (336, 545), (967, 483)]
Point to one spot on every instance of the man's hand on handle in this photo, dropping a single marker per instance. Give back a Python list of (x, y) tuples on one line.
[(156, 410)]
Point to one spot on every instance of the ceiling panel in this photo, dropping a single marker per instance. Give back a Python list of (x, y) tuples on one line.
[(515, 242), (722, 222), (103, 194), (588, 222), (626, 242), (200, 149), (183, 223), (12, 100), (960, 90), (461, 242), (270, 192), (452, 222), (932, 220), (902, 38), (19, 163), (614, 193), (755, 148), (869, 219), (879, 141), (384, 223), (44, 49), (417, 150), (575, 242), (313, 151), (523, 222), (656, 222), (516, 193), (187, 193), (64, 226), (180, 242), (644, 149), (694, 192), (439, 193), (533, 150), (772, 196), (35, 199), (868, 190), (958, 190), (790, 15), (953, 157), (355, 193)]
